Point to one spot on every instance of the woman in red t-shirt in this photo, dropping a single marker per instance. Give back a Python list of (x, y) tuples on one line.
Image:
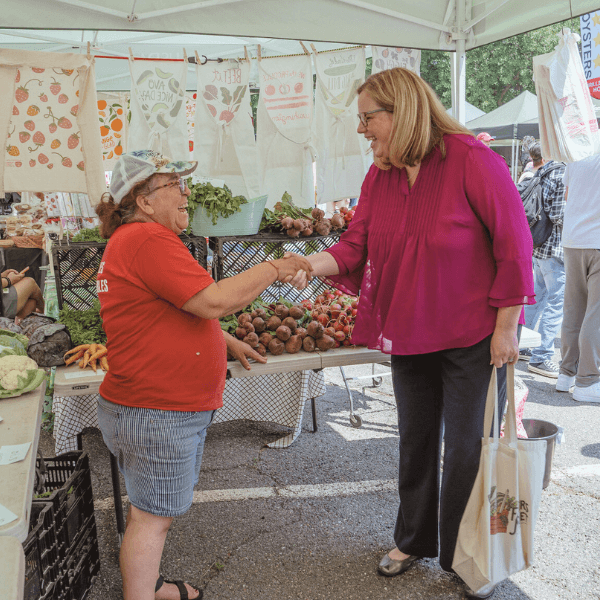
[(440, 250), (160, 311)]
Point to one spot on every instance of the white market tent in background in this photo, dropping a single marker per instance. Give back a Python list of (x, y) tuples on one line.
[(505, 122), (511, 121), (454, 25), (471, 112)]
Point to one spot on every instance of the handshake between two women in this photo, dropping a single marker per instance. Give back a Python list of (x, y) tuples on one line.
[(292, 268)]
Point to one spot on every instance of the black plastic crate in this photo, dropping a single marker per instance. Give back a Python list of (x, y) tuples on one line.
[(233, 255), (41, 554), (81, 567), (76, 266), (68, 478)]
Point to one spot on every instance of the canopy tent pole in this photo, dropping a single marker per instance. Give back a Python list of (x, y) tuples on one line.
[(459, 58)]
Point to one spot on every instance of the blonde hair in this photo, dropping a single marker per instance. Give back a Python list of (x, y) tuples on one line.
[(420, 120)]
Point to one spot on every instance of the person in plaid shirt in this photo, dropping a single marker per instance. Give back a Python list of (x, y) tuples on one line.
[(549, 272)]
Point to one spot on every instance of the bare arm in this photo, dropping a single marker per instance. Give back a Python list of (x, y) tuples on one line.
[(323, 264), (504, 345), (232, 294)]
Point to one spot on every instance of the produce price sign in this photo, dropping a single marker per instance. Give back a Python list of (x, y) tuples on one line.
[(158, 119), (590, 50), (390, 58)]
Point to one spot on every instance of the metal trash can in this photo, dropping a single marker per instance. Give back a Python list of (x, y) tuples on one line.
[(543, 430)]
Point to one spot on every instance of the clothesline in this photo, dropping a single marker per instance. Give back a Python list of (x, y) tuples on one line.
[(223, 59)]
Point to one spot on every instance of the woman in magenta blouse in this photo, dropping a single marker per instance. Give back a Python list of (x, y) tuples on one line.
[(440, 251)]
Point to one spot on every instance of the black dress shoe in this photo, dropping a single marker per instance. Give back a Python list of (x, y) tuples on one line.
[(390, 567)]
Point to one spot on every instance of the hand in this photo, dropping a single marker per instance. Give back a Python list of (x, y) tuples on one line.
[(242, 352), (289, 266), (300, 279), (504, 348), (14, 276)]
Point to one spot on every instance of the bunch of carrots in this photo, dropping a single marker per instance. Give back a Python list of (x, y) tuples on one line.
[(88, 354)]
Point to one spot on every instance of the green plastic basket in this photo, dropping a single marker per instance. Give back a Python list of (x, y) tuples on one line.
[(246, 222)]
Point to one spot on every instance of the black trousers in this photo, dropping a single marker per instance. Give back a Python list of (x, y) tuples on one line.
[(441, 393)]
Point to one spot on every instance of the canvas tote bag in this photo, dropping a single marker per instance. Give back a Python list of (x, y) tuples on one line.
[(495, 538)]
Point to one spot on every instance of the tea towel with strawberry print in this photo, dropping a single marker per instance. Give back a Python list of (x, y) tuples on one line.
[(114, 126), (224, 144), (390, 58), (49, 113), (158, 108), (342, 160), (284, 129)]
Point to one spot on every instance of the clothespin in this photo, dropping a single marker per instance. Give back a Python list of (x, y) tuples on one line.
[(259, 54), (198, 61), (304, 48), (313, 48), (89, 54), (246, 55), (184, 56), (131, 53)]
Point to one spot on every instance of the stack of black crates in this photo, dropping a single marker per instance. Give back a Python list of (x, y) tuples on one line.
[(76, 266), (61, 550)]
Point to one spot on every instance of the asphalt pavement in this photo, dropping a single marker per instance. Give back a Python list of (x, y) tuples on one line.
[(312, 521)]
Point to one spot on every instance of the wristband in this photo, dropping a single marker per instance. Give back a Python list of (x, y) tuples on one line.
[(269, 262), (10, 284)]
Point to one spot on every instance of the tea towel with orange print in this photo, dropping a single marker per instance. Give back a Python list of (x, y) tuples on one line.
[(495, 537), (284, 129), (49, 113), (224, 144), (342, 160), (158, 108), (114, 125), (390, 58), (190, 117)]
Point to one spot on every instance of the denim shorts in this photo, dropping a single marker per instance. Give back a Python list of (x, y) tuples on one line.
[(159, 453)]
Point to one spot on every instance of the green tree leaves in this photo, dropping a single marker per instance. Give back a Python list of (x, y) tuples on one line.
[(497, 72)]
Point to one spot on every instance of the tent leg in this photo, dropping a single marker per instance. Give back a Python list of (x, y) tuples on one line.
[(459, 82)]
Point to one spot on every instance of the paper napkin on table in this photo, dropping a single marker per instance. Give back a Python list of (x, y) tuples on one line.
[(6, 516), (13, 454)]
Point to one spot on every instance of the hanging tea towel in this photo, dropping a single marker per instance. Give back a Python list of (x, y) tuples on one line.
[(49, 117), (342, 160), (158, 108), (390, 58), (284, 129), (190, 117), (114, 126), (224, 143), (568, 126)]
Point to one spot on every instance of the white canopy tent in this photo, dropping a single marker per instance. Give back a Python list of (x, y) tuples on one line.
[(453, 25)]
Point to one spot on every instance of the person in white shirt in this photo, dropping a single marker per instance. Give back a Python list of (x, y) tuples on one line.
[(580, 336)]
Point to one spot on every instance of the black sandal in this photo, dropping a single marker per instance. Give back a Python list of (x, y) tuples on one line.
[(183, 593)]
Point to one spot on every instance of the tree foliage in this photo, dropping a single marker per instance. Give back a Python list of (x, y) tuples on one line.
[(497, 72)]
